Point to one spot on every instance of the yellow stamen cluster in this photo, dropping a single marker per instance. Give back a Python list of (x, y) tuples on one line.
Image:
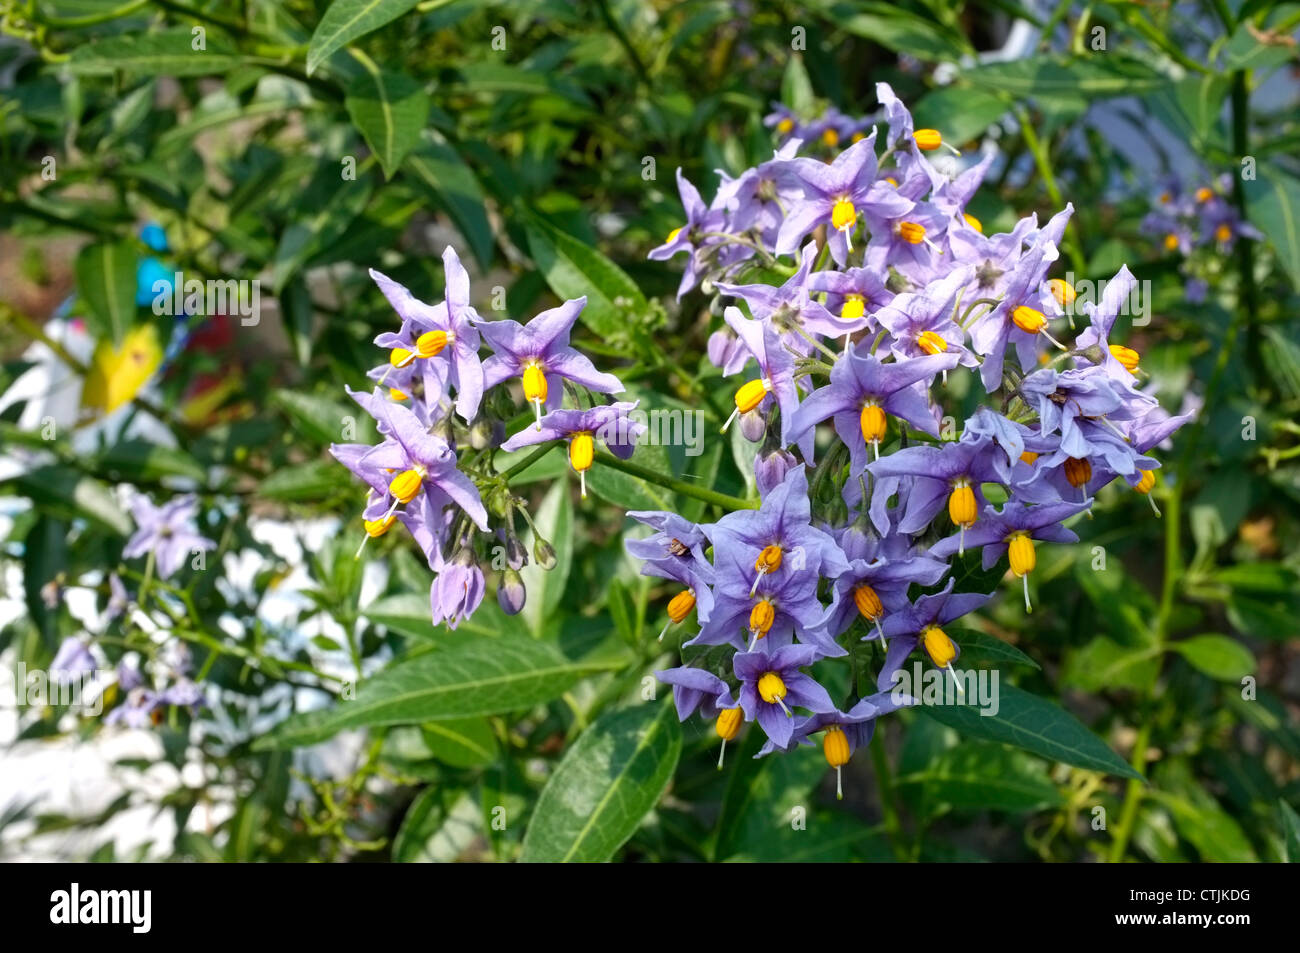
[(1030, 457), (785, 125), (1020, 550), (831, 137), (1204, 194), (911, 232), (961, 504), (1223, 233), (761, 618), (432, 343), (771, 689), (1171, 242), (377, 528), (873, 423), (535, 390), (582, 450), (843, 214), (1078, 471), (1126, 356), (399, 356), (750, 395), (680, 605), (927, 140), (396, 394), (868, 603), (854, 307), (931, 342), (1147, 481), (938, 646), (973, 222), (729, 722), (1062, 291), (769, 560), (672, 236), (835, 745), (1030, 320), (406, 484)]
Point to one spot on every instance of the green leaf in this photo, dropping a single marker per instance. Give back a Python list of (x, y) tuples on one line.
[(1273, 205), (137, 459), (1217, 656), (1105, 664), (796, 88), (345, 20), (106, 282), (959, 113), (440, 171), (461, 742), (1051, 76), (1036, 725), (318, 418), (300, 730), (981, 647), (438, 827), (165, 53), (1290, 823), (304, 481), (554, 520), (479, 677), (606, 783), (629, 492), (390, 111), (982, 776), (573, 269), (903, 33), (319, 228), (65, 491)]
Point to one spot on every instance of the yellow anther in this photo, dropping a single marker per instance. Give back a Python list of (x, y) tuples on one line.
[(769, 560), (785, 125), (1030, 320), (973, 222), (761, 618), (854, 307), (938, 646), (1062, 291), (582, 449), (751, 394), (927, 140), (1171, 242), (961, 504), (1020, 549), (911, 232), (534, 384), (431, 343), (1204, 194), (406, 484), (396, 394), (1030, 457), (892, 181), (868, 603), (1147, 481), (843, 214), (729, 722), (1126, 356), (680, 605), (1078, 471), (771, 689), (376, 528), (872, 421), (835, 745), (931, 342), (399, 356), (858, 136), (831, 137), (672, 236), (1223, 233), (1166, 198)]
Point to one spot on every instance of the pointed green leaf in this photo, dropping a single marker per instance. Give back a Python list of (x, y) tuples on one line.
[(389, 110), (345, 20), (106, 282), (605, 784)]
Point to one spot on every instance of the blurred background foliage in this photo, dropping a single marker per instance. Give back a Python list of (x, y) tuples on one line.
[(300, 143)]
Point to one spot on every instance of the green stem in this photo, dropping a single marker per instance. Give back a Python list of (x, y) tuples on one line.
[(528, 461), (1132, 797), (885, 785), (674, 484), (1044, 163)]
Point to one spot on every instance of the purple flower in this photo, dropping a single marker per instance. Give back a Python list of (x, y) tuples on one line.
[(137, 710), (694, 688), (771, 685), (921, 323), (920, 623), (776, 371), (862, 390), (789, 308), (539, 352), (441, 339), (948, 469), (836, 195), (771, 467), (853, 295), (72, 660), (457, 590), (609, 422), (168, 531), (884, 569), (700, 220)]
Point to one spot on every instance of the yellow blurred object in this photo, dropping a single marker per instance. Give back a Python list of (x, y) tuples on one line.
[(117, 374)]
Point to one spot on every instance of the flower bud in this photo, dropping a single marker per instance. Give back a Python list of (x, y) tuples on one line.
[(753, 425), (770, 468), (511, 593), (516, 554), (486, 433), (544, 554)]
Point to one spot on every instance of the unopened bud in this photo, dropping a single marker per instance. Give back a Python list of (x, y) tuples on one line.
[(544, 554), (511, 593), (753, 425), (486, 433)]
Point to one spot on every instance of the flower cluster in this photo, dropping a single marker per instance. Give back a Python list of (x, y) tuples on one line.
[(889, 289), (440, 407), (1200, 225)]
